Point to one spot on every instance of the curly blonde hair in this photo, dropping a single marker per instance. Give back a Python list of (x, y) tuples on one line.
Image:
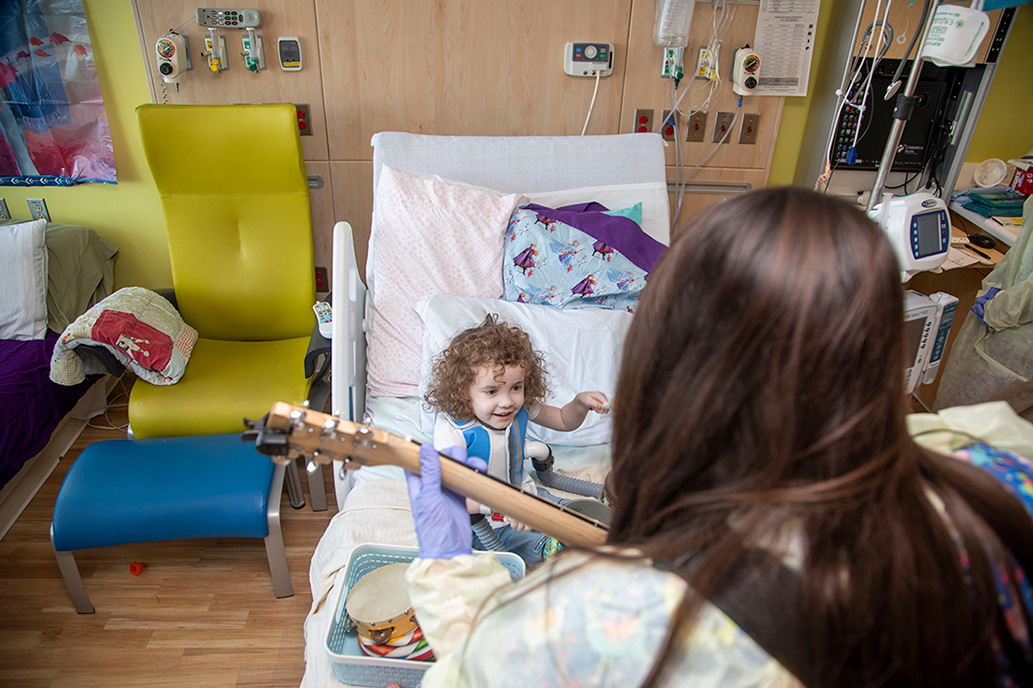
[(492, 344)]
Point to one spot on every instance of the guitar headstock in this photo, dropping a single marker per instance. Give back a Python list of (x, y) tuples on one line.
[(289, 432)]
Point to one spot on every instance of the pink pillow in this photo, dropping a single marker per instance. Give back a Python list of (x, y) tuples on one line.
[(430, 237)]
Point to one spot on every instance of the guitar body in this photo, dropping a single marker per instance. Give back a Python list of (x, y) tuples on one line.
[(290, 432)]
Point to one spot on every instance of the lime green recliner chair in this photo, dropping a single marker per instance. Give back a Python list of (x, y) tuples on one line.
[(235, 196)]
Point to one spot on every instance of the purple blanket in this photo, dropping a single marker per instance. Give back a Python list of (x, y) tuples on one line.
[(31, 405)]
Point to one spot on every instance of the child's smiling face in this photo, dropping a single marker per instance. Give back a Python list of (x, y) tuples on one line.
[(496, 399)]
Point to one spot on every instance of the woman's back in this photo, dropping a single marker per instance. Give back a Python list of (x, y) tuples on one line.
[(762, 386)]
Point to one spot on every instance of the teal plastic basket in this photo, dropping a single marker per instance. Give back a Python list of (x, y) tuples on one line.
[(350, 664)]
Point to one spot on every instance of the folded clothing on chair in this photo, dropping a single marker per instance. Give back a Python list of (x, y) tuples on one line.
[(139, 327)]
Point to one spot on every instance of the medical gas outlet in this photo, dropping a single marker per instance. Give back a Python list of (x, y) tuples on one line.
[(671, 67), (215, 51), (588, 59), (745, 71), (173, 57), (706, 63), (253, 51)]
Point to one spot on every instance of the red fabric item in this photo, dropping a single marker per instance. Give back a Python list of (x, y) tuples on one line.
[(147, 345)]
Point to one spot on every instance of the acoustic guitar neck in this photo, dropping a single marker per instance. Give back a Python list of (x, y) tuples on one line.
[(290, 432)]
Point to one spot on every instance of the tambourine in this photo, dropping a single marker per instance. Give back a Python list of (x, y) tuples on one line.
[(412, 647), (378, 604), (592, 508)]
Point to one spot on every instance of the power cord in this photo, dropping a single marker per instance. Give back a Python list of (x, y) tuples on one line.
[(857, 76), (111, 405), (592, 104)]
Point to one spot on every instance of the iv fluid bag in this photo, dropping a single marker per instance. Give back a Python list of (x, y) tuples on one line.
[(673, 18)]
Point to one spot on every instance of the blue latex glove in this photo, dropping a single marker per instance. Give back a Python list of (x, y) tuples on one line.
[(442, 521), (980, 308)]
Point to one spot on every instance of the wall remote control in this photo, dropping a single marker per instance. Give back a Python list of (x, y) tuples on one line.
[(325, 317)]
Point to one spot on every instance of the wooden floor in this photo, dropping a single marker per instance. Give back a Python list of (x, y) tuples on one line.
[(202, 613)]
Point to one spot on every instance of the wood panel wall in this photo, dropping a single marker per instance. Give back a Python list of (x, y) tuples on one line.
[(461, 67)]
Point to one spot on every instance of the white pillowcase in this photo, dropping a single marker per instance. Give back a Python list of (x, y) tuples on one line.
[(582, 349), (432, 237), (23, 280), (656, 208)]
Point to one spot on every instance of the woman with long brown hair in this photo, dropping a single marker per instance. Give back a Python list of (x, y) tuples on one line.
[(774, 522)]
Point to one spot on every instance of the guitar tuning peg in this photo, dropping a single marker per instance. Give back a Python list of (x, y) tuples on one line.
[(311, 467), (306, 403), (330, 426), (297, 415), (364, 436)]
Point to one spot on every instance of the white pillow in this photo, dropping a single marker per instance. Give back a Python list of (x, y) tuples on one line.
[(582, 349), (432, 237), (23, 280), (656, 209)]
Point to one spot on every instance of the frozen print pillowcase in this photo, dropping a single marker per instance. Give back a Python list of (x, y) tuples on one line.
[(577, 256)]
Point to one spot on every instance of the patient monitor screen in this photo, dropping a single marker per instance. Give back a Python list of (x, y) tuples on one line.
[(927, 228)]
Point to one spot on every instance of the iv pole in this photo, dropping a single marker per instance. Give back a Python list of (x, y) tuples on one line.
[(901, 113)]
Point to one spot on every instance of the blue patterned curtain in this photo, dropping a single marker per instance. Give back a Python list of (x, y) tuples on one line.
[(53, 127)]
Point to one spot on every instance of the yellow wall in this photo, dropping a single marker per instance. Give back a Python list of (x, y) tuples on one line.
[(1004, 129), (128, 213)]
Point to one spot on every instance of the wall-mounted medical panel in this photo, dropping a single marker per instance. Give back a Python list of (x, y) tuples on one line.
[(237, 83), (739, 22)]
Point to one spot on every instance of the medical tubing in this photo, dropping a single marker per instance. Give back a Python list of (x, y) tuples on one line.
[(564, 482), (486, 534), (679, 167), (910, 47), (570, 484), (890, 151), (875, 63), (718, 146)]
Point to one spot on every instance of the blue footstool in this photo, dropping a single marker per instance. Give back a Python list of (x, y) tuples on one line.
[(120, 492)]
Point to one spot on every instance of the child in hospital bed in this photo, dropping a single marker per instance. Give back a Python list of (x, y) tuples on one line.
[(487, 384)]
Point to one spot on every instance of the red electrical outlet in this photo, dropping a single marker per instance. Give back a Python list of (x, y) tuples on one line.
[(643, 121), (322, 279), (304, 123), (669, 126)]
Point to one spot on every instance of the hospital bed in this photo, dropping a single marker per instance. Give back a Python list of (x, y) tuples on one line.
[(616, 171), (442, 207)]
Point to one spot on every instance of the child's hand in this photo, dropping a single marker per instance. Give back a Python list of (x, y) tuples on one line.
[(573, 414), (472, 506), (594, 401)]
